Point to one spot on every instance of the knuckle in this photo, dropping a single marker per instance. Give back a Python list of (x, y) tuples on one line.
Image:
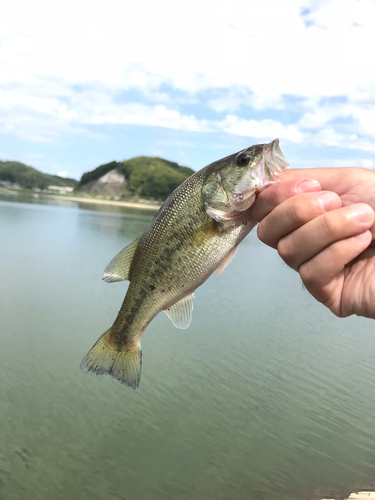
[(307, 274), (297, 213), (260, 232), (329, 223), (285, 250), (263, 234)]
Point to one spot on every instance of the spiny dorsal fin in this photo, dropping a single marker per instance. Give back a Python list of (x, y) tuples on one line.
[(118, 268), (227, 260), (181, 312)]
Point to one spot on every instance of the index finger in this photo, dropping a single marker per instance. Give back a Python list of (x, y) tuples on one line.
[(275, 194)]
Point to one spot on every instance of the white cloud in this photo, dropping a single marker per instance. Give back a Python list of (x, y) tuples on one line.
[(261, 45), (62, 174), (253, 53), (260, 128), (42, 120)]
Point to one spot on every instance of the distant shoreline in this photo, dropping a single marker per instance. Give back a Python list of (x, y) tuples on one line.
[(119, 203), (96, 201)]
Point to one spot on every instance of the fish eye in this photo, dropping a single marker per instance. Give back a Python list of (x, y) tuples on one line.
[(242, 159)]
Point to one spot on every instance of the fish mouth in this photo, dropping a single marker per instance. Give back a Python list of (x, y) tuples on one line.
[(272, 163), (267, 171)]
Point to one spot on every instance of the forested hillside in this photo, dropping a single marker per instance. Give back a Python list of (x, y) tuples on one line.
[(29, 177), (146, 177)]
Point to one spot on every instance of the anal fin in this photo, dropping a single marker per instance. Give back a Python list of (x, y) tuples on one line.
[(181, 312), (118, 268)]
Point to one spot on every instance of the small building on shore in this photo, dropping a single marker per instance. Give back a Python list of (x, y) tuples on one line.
[(60, 189)]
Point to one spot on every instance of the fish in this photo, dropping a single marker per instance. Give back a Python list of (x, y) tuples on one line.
[(195, 232)]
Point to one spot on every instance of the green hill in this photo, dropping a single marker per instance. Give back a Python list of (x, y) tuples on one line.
[(147, 177), (29, 177)]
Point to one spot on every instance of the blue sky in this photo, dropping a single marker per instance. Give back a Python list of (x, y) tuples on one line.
[(84, 83)]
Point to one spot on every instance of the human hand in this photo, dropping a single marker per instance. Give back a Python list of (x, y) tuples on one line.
[(324, 229)]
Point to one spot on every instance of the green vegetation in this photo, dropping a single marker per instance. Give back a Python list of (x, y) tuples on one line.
[(29, 177), (147, 177)]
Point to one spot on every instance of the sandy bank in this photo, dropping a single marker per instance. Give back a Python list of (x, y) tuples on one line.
[(96, 201)]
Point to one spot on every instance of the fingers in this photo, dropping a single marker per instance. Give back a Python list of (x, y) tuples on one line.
[(277, 193), (321, 232), (323, 275), (293, 213), (339, 180)]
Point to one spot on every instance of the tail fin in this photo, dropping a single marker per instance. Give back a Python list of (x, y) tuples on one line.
[(105, 358)]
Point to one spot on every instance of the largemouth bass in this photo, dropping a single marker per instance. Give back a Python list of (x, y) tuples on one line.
[(195, 232)]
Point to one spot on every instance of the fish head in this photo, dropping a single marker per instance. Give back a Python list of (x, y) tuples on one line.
[(231, 184)]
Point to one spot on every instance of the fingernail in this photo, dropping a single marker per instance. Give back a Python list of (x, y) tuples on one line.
[(328, 201), (307, 185), (362, 213)]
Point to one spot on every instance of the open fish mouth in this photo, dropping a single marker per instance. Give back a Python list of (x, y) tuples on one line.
[(267, 171), (272, 163)]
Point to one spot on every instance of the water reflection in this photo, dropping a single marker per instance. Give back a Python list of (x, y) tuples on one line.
[(266, 396)]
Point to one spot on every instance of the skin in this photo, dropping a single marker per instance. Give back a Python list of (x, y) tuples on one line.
[(321, 221)]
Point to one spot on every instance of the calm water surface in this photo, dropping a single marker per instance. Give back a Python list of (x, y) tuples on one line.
[(266, 395)]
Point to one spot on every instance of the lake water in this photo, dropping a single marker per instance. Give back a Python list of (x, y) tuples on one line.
[(266, 396)]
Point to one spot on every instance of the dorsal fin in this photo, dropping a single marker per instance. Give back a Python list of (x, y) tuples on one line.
[(118, 268), (181, 312)]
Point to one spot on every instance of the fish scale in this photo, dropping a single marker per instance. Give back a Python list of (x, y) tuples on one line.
[(194, 233)]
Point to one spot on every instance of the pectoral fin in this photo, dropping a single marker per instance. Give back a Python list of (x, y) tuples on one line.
[(118, 268), (181, 313), (228, 259)]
